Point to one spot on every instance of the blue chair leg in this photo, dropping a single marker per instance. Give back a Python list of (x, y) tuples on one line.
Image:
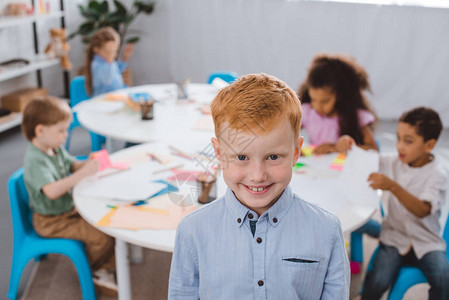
[(17, 266), (97, 141), (356, 247), (84, 273)]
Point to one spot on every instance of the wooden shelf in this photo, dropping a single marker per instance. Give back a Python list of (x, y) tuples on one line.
[(8, 73), (10, 121), (10, 21)]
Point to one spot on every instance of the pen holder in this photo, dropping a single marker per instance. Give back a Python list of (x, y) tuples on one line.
[(208, 190), (147, 109)]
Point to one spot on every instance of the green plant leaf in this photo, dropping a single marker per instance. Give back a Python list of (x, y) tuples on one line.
[(104, 7), (120, 7), (145, 7), (132, 40), (86, 28), (94, 6)]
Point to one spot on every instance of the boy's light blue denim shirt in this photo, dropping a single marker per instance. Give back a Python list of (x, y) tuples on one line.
[(297, 252), (106, 77)]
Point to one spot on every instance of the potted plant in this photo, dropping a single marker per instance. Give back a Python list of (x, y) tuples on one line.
[(99, 14)]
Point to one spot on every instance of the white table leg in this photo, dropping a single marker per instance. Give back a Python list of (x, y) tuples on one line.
[(108, 144), (122, 265), (136, 254)]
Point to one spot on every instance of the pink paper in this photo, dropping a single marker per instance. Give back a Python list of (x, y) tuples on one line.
[(103, 158)]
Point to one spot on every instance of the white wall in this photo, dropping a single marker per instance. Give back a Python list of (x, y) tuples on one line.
[(404, 49)]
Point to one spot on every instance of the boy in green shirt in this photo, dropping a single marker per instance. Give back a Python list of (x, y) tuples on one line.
[(50, 174)]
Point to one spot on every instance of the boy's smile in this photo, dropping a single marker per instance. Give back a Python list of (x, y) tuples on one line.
[(259, 171), (412, 149)]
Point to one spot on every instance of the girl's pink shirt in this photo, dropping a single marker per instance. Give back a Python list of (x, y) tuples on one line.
[(322, 129)]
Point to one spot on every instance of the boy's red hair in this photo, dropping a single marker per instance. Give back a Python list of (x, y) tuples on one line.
[(256, 102)]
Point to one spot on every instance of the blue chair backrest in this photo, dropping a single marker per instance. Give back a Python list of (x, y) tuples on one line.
[(77, 90), (227, 76), (21, 213)]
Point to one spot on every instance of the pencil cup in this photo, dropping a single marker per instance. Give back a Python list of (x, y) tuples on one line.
[(208, 190), (146, 109)]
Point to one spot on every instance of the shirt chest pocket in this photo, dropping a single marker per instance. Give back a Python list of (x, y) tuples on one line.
[(304, 273), (301, 261)]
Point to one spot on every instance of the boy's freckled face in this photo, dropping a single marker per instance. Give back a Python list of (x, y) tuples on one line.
[(412, 149), (258, 173), (323, 100)]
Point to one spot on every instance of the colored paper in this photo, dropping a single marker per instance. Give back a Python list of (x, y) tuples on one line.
[(307, 150), (338, 162), (103, 158), (146, 217), (130, 185)]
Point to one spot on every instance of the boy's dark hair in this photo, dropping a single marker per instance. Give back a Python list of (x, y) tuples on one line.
[(45, 111), (426, 121), (347, 79)]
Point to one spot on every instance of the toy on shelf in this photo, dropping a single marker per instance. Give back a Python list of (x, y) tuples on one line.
[(18, 9), (58, 47)]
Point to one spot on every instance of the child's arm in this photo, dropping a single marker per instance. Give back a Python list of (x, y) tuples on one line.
[(369, 142), (337, 280), (56, 189), (419, 208), (77, 164)]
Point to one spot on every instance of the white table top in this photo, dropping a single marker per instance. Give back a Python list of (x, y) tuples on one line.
[(173, 120), (317, 187)]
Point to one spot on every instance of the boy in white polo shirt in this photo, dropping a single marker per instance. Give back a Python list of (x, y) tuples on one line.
[(415, 183)]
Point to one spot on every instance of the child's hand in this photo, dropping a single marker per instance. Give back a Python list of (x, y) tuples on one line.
[(324, 149), (90, 167), (344, 143), (127, 52), (380, 181)]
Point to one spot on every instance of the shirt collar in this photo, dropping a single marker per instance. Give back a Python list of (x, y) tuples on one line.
[(99, 58), (275, 213)]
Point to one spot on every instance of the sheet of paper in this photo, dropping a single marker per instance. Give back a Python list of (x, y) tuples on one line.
[(353, 179), (105, 107), (165, 217), (129, 185), (205, 123)]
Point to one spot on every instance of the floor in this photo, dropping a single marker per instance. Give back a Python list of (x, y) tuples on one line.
[(56, 275)]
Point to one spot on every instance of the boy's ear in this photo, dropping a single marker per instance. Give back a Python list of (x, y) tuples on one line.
[(430, 144), (217, 149), (38, 130), (297, 152)]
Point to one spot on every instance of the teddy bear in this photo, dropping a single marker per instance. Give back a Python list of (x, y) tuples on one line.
[(58, 47)]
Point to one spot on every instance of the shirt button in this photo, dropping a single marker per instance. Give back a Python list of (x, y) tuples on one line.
[(275, 220), (239, 220), (260, 282), (259, 240), (250, 215)]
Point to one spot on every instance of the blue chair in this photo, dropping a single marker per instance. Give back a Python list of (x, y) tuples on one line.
[(28, 244), (409, 276), (77, 95), (227, 76)]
